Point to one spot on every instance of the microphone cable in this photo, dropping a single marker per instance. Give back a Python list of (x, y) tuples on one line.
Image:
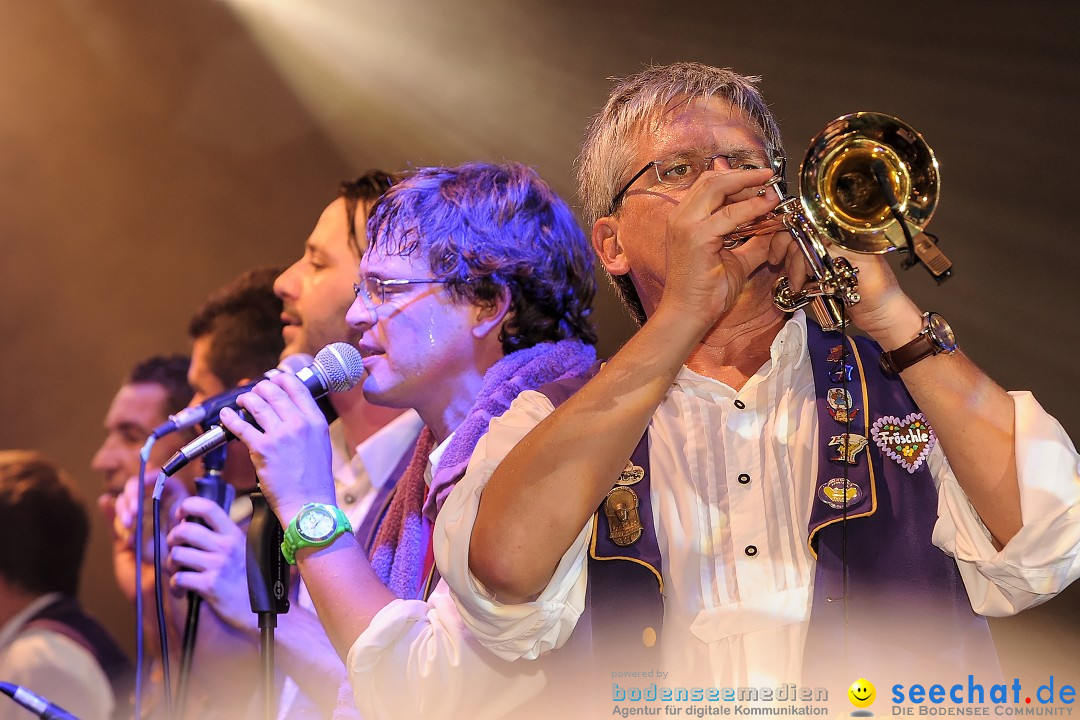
[(159, 595), (35, 703), (140, 640)]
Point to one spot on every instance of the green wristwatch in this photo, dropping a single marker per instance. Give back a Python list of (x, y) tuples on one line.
[(316, 525)]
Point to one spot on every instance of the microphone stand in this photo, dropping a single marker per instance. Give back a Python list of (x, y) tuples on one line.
[(268, 588), (213, 487)]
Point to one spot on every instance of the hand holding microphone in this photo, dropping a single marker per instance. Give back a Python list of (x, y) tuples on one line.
[(287, 436), (206, 412), (336, 368)]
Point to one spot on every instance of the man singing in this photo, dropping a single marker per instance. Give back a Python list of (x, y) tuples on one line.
[(477, 285)]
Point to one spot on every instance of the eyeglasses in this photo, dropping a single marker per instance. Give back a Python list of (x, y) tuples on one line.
[(374, 291), (682, 170)]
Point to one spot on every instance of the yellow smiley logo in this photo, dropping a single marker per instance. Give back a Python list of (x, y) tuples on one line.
[(861, 693)]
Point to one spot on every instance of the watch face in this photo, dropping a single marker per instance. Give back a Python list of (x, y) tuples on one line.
[(315, 524), (941, 332)]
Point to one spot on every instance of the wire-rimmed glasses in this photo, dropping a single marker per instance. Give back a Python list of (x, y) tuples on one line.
[(373, 291), (682, 170)]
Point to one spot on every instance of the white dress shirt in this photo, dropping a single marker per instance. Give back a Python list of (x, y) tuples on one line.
[(52, 665), (735, 619), (361, 472), (417, 660)]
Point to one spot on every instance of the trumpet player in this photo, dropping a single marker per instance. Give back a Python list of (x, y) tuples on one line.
[(738, 497)]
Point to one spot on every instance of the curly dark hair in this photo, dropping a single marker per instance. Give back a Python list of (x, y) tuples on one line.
[(244, 319), (484, 228)]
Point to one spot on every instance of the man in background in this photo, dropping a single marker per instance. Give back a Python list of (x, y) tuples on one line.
[(317, 291), (236, 336), (48, 645), (154, 389)]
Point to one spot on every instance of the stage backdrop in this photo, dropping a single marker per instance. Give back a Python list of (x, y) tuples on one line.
[(150, 151)]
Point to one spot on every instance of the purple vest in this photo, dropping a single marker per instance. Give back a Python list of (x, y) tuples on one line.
[(878, 563), (369, 526)]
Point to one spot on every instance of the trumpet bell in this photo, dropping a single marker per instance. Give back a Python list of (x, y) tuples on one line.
[(840, 181)]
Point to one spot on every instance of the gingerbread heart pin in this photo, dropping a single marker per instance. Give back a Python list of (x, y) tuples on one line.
[(907, 442)]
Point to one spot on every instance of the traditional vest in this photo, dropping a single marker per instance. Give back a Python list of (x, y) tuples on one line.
[(365, 532), (870, 530), (64, 616)]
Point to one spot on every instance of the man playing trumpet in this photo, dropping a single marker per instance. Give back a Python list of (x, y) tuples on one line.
[(737, 494)]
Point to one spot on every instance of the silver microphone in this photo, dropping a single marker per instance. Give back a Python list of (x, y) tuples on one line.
[(337, 367)]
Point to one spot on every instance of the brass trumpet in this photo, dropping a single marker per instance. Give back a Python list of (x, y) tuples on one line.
[(869, 183)]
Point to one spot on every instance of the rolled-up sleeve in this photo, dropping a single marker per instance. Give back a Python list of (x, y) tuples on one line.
[(525, 630), (1044, 556), (417, 659)]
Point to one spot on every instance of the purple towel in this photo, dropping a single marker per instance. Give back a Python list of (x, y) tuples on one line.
[(528, 369), (401, 541)]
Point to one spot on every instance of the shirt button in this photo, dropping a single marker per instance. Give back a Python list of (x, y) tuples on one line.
[(740, 404), (648, 637), (350, 499), (750, 550), (744, 479)]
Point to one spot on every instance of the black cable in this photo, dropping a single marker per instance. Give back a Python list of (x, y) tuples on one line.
[(191, 631), (140, 640), (163, 630), (882, 177)]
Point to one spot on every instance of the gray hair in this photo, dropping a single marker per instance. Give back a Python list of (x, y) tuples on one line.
[(641, 100)]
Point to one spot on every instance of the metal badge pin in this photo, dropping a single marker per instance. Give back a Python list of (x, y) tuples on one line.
[(840, 403), (624, 521), (842, 373), (847, 449), (631, 474), (840, 492)]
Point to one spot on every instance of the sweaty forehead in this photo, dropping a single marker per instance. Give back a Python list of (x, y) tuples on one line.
[(698, 124), (378, 263)]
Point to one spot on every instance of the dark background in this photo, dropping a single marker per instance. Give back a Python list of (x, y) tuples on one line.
[(150, 151)]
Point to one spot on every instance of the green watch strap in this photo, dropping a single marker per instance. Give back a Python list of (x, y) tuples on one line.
[(295, 539)]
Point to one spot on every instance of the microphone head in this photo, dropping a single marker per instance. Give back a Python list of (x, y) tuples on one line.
[(341, 365)]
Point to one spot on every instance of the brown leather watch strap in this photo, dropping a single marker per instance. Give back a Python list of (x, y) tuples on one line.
[(903, 357)]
